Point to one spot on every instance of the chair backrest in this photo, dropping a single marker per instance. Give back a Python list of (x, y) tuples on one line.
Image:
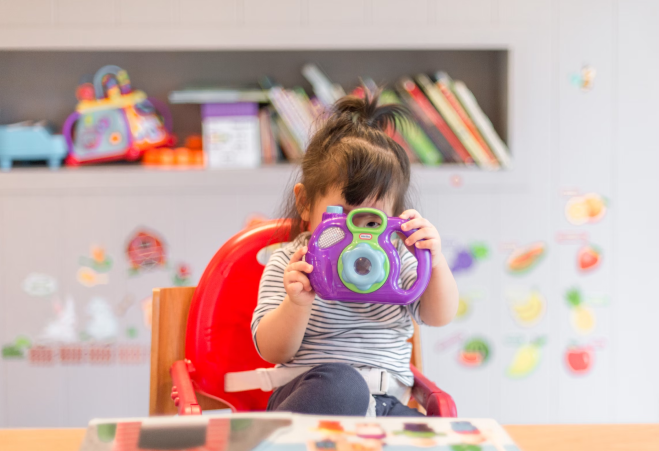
[(218, 337)]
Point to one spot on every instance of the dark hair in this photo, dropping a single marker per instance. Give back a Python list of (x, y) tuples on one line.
[(351, 150)]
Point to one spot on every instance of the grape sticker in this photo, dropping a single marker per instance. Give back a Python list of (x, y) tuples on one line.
[(582, 317), (524, 259), (466, 258), (475, 352), (587, 209), (589, 258), (526, 359)]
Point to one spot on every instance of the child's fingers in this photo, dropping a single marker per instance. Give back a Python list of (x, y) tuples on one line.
[(297, 256), (294, 289), (298, 277), (426, 244), (300, 266), (410, 214), (416, 223), (420, 234)]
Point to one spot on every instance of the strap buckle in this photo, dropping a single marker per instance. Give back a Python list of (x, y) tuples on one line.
[(377, 380), (265, 383)]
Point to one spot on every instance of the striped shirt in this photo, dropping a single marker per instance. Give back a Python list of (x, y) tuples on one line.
[(359, 334)]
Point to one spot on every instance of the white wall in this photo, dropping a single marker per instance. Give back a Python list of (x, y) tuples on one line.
[(564, 140)]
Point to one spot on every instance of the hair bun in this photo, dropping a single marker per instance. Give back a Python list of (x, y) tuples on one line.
[(365, 110)]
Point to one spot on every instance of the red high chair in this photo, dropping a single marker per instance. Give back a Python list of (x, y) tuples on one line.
[(218, 338)]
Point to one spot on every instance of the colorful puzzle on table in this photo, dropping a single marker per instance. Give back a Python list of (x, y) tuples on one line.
[(289, 432)]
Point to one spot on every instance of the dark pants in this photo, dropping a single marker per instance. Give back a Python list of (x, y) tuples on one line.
[(334, 389)]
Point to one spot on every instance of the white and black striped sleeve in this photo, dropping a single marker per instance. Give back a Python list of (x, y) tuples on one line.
[(408, 267)]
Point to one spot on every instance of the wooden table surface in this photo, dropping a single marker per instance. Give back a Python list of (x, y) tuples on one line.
[(627, 437)]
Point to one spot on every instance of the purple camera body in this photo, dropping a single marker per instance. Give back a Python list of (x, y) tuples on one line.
[(358, 264)]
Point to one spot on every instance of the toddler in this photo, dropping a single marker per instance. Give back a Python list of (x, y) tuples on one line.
[(340, 358)]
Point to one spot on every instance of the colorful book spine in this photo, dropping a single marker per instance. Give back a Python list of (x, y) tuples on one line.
[(483, 123), (426, 152), (453, 120), (450, 146), (281, 100), (444, 83), (288, 144), (268, 151)]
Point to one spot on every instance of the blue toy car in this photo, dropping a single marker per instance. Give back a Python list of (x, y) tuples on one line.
[(28, 142)]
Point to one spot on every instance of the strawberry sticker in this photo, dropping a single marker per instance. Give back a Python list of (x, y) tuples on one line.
[(588, 258)]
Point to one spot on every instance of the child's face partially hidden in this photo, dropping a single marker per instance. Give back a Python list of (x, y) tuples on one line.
[(334, 197)]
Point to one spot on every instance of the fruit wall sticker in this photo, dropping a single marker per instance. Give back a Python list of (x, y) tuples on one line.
[(98, 260), (181, 277), (586, 209), (16, 349), (464, 308), (466, 257), (528, 308), (582, 317), (39, 285), (145, 250), (579, 359), (475, 352), (589, 258), (526, 359), (524, 259), (467, 302), (584, 79)]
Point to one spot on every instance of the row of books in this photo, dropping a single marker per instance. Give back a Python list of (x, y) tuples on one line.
[(447, 127)]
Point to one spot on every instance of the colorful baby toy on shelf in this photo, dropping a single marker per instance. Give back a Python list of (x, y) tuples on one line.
[(113, 121), (361, 264)]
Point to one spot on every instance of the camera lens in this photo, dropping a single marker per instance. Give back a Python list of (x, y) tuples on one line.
[(362, 266)]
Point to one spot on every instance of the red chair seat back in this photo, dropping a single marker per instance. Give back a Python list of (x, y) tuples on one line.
[(218, 337)]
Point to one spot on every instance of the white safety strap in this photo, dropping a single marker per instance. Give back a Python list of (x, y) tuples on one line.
[(379, 381)]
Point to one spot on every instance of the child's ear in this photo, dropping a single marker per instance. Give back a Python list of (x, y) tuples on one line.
[(301, 201)]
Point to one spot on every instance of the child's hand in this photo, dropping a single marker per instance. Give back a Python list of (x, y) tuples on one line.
[(427, 237), (296, 281)]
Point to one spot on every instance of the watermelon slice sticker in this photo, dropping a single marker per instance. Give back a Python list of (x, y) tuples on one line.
[(526, 258), (474, 353)]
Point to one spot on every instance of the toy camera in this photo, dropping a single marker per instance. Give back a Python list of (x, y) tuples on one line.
[(114, 122), (361, 264)]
